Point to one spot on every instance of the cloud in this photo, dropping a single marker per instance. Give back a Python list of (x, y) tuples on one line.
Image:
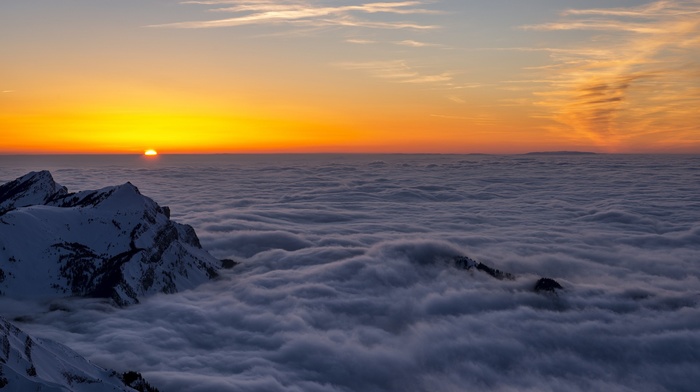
[(305, 13), (311, 17), (408, 42), (651, 10), (398, 71), (415, 44), (360, 41), (482, 119), (633, 84), (344, 283)]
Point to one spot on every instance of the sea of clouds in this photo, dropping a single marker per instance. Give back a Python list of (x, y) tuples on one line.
[(346, 285)]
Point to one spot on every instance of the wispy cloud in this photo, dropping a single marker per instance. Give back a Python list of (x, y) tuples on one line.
[(407, 42), (415, 44), (398, 71), (651, 10), (597, 25), (360, 41), (634, 81), (479, 119), (309, 13)]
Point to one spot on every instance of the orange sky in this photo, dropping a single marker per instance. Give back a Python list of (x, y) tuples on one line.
[(403, 76)]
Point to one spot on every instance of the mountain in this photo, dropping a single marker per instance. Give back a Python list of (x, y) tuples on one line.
[(31, 189), (31, 364), (561, 153), (107, 243)]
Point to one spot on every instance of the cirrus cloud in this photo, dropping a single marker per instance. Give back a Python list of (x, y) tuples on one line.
[(308, 14), (633, 82)]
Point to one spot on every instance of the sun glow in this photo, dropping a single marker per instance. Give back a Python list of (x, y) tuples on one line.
[(150, 152)]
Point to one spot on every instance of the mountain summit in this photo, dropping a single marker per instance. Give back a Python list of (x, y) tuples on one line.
[(108, 243)]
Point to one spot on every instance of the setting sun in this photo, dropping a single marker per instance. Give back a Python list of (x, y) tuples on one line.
[(150, 152), (354, 77)]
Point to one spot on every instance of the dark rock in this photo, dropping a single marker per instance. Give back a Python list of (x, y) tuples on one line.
[(464, 262), (228, 263), (496, 273), (467, 263), (135, 380), (548, 285)]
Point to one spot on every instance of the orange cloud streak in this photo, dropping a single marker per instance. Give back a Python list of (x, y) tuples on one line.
[(640, 90)]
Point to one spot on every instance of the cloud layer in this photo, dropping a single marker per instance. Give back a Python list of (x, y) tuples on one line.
[(344, 284)]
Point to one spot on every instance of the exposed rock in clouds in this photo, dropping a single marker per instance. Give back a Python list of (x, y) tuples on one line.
[(547, 284), (108, 243), (467, 263)]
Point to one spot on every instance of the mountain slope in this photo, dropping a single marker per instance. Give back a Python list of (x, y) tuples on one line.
[(30, 364), (30, 189), (110, 243)]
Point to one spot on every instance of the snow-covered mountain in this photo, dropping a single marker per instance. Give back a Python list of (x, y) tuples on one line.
[(31, 189), (108, 243), (31, 364)]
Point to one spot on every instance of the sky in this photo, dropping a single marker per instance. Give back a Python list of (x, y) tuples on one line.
[(433, 76)]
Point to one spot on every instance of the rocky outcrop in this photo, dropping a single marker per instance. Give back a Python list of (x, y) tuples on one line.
[(547, 285), (32, 364), (109, 243), (543, 285), (467, 263)]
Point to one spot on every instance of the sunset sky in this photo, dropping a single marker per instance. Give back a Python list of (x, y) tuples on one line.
[(449, 76)]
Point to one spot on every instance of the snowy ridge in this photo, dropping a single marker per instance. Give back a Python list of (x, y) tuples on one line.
[(108, 243), (31, 364), (30, 189)]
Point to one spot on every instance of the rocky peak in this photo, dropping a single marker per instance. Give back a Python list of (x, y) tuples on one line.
[(113, 197), (112, 242), (31, 189)]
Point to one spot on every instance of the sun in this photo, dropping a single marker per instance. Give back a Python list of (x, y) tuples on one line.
[(150, 152)]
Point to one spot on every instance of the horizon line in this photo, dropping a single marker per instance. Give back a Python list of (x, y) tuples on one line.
[(545, 152)]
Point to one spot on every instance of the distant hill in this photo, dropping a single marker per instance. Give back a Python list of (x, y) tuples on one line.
[(561, 153)]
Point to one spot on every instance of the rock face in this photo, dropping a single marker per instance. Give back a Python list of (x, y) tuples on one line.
[(31, 364), (109, 243)]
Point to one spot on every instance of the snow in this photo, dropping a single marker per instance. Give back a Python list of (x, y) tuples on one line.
[(73, 243), (31, 364)]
